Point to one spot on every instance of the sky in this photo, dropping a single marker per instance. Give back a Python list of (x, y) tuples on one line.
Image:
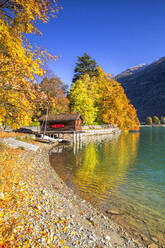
[(118, 34)]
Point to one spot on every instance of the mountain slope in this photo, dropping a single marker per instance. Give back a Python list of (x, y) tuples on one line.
[(146, 88), (131, 71)]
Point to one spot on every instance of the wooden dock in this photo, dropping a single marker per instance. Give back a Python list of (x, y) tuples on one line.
[(77, 136)]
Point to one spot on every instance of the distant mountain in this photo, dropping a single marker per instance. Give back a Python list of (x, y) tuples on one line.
[(131, 71), (145, 87)]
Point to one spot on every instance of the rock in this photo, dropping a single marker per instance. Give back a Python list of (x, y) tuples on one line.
[(19, 144), (144, 238), (113, 212), (154, 239), (107, 238), (90, 220), (98, 246), (152, 246)]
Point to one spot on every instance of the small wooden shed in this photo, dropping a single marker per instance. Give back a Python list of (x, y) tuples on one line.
[(61, 122)]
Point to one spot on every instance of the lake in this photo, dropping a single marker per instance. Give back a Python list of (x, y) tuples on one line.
[(123, 173)]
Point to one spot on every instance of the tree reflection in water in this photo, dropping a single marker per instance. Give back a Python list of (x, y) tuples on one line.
[(97, 166)]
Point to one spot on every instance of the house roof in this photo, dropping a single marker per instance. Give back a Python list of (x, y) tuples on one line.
[(61, 117)]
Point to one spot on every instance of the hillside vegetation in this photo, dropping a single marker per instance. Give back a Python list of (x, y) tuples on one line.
[(146, 89)]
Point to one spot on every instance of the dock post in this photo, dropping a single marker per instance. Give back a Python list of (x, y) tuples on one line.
[(74, 143), (77, 142), (77, 138), (74, 137), (80, 137)]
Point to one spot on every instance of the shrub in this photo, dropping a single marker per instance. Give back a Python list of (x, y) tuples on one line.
[(162, 120), (156, 120), (28, 139), (34, 124), (149, 120)]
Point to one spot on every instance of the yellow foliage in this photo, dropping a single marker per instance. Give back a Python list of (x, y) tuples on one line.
[(12, 193), (16, 108), (115, 106), (82, 96), (20, 62), (9, 134), (101, 99)]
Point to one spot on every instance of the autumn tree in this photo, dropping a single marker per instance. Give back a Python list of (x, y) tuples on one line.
[(115, 108), (53, 85), (55, 91), (162, 120), (156, 120), (82, 99), (19, 61), (149, 120), (85, 65), (16, 107), (102, 99)]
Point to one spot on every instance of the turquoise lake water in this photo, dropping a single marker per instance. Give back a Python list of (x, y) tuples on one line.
[(125, 173)]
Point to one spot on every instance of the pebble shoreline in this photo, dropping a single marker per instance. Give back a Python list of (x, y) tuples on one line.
[(55, 217)]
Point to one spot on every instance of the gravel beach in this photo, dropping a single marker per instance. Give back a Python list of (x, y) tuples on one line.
[(51, 215)]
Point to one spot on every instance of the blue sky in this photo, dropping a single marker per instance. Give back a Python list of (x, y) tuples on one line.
[(118, 34)]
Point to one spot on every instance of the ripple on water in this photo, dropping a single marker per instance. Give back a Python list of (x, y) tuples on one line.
[(125, 173)]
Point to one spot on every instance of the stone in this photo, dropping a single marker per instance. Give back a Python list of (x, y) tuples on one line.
[(90, 221), (98, 246), (113, 212), (107, 238), (144, 238), (19, 144), (154, 239), (152, 246)]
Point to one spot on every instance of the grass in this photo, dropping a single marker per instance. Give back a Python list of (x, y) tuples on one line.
[(34, 124), (27, 139)]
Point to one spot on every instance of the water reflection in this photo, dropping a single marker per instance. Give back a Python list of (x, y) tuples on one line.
[(98, 166), (124, 172), (104, 165)]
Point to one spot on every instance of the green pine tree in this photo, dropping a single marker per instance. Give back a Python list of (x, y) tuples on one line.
[(85, 65)]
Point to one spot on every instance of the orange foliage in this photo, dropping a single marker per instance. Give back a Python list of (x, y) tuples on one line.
[(13, 193), (116, 108), (54, 90), (9, 134)]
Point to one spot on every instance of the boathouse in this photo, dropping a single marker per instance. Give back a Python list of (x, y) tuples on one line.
[(60, 122)]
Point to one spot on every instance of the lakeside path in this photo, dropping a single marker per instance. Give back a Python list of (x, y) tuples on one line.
[(43, 212)]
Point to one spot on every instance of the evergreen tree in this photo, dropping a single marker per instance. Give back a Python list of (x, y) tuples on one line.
[(85, 65)]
